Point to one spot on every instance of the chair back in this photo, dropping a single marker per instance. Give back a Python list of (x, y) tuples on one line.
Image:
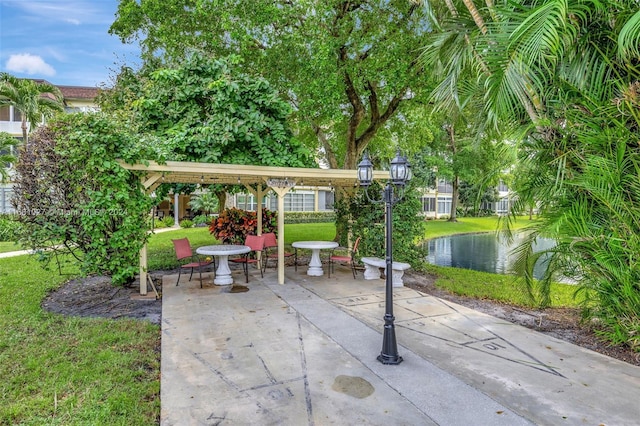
[(270, 240), (183, 248), (355, 247), (255, 242)]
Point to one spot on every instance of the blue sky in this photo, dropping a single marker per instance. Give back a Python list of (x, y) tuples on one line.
[(65, 42)]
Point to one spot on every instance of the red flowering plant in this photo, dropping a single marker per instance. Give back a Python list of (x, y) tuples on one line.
[(233, 225)]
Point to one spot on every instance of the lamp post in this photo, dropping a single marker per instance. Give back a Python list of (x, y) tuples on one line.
[(400, 173)]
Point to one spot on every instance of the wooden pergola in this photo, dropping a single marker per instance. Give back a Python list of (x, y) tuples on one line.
[(257, 179)]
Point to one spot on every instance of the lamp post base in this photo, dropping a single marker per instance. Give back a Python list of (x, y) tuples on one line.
[(389, 353), (389, 360)]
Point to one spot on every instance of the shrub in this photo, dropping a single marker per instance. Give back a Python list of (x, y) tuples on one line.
[(309, 217), (367, 220), (201, 220), (9, 229), (168, 221), (186, 223), (233, 225), (75, 199)]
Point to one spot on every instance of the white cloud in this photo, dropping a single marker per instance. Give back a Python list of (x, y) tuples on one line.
[(29, 64)]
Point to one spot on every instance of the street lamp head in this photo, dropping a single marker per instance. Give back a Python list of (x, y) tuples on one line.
[(399, 170), (365, 171)]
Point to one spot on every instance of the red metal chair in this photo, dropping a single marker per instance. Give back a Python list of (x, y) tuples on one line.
[(183, 251), (349, 259), (256, 243), (271, 250)]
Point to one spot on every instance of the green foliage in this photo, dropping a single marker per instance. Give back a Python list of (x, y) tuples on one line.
[(186, 223), (309, 217), (10, 228), (338, 63), (205, 202), (201, 220), (7, 144), (233, 225), (367, 220), (590, 200), (72, 196), (168, 221), (207, 110)]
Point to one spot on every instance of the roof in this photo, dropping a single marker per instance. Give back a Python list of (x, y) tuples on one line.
[(79, 92), (72, 92), (209, 173)]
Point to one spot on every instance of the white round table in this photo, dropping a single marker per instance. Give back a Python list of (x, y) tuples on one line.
[(223, 251), (315, 264)]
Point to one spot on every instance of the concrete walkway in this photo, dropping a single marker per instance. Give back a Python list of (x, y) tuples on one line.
[(304, 353), (23, 252)]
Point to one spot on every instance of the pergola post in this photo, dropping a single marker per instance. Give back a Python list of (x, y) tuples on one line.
[(176, 209), (143, 270), (149, 184), (281, 191)]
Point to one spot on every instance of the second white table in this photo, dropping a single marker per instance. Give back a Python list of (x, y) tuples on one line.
[(315, 264)]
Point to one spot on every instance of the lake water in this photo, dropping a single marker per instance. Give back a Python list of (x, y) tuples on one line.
[(480, 252)]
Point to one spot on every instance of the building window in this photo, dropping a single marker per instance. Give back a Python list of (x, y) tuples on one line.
[(428, 204), (502, 206), (5, 113), (5, 200), (444, 205), (17, 115), (294, 202), (246, 202)]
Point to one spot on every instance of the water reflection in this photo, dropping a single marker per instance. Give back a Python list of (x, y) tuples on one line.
[(480, 252)]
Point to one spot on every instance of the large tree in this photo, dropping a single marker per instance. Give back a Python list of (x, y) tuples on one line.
[(34, 100), (204, 109), (345, 66)]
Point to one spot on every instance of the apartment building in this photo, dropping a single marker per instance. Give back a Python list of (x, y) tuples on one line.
[(75, 99), (437, 201)]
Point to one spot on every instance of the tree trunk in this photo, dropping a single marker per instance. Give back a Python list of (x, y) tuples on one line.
[(456, 179), (24, 130), (222, 200), (454, 198)]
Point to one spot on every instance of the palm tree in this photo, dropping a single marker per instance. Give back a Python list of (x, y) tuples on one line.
[(205, 202), (555, 66), (33, 100), (6, 157)]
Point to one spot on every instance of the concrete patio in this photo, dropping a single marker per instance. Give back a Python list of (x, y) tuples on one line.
[(305, 353)]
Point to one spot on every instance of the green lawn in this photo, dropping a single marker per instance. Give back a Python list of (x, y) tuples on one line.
[(7, 246), (466, 225), (58, 370)]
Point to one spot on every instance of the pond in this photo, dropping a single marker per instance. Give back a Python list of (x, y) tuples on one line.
[(481, 252)]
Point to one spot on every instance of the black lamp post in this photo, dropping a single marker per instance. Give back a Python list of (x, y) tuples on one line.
[(400, 173)]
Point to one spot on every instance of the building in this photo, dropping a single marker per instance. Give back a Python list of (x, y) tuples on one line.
[(436, 202), (75, 99)]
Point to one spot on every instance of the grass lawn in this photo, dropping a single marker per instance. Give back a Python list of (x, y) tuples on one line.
[(7, 246), (465, 225), (59, 370)]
